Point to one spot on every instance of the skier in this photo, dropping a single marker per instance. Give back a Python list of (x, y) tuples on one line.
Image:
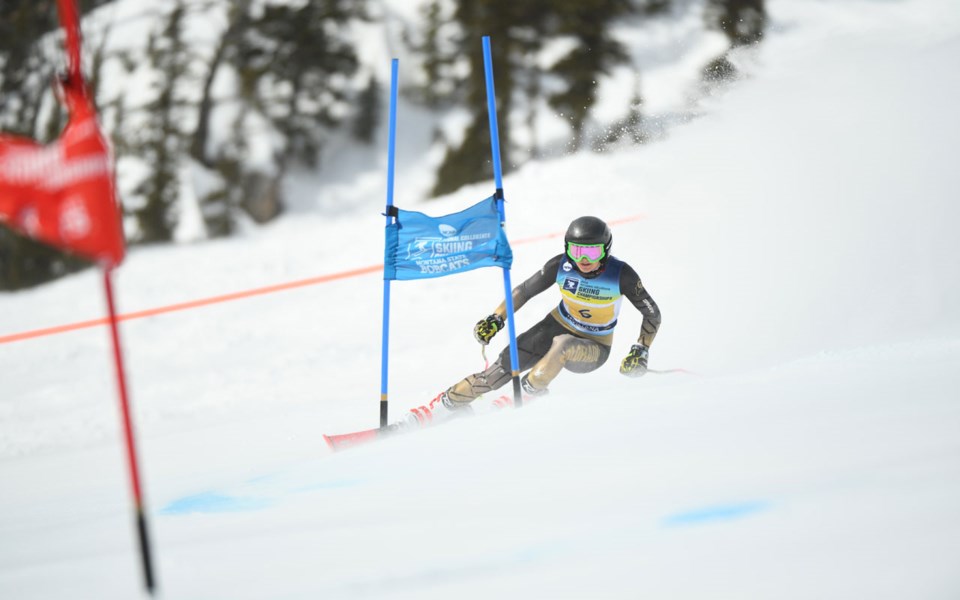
[(576, 335)]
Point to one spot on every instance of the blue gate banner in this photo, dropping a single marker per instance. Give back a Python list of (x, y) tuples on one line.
[(419, 246)]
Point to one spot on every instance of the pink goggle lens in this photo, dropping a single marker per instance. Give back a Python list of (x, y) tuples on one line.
[(592, 252)]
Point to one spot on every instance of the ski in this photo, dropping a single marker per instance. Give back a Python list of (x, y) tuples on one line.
[(342, 441)]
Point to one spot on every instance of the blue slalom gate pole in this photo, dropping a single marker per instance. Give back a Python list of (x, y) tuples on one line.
[(498, 178), (389, 214)]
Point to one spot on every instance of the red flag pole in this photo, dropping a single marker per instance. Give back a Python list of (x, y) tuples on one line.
[(70, 22), (128, 434)]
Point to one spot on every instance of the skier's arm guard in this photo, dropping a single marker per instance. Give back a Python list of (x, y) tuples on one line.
[(639, 296), (536, 283)]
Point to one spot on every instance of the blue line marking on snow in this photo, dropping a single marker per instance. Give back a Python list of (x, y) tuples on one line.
[(211, 502), (718, 512)]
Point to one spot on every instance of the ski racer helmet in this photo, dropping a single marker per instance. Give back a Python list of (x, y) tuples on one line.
[(588, 237)]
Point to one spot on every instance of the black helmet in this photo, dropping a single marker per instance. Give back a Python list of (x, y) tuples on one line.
[(589, 230)]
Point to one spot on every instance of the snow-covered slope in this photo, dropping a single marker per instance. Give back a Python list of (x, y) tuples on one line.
[(799, 239)]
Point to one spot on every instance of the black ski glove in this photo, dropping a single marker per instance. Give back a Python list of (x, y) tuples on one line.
[(485, 330), (635, 363)]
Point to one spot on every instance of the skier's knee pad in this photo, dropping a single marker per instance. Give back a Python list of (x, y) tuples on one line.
[(569, 348), (575, 354)]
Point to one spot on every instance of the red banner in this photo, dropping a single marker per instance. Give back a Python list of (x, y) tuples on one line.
[(63, 193)]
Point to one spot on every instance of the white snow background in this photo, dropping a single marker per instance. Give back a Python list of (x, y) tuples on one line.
[(800, 237)]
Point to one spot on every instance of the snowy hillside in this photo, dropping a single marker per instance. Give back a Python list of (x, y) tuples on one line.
[(799, 237)]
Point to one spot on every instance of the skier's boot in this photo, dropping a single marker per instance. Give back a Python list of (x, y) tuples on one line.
[(530, 390), (438, 410), (529, 394)]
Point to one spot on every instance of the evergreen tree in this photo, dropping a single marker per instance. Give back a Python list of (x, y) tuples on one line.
[(742, 21), (630, 126), (218, 207), (26, 263), (437, 56), (237, 21), (26, 66), (519, 30), (594, 54), (163, 142), (296, 62), (653, 7), (516, 29), (367, 119), (718, 70)]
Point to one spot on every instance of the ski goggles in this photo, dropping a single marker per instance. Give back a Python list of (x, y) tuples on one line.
[(592, 252)]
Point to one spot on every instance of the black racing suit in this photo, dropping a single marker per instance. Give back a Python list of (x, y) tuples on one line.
[(576, 335)]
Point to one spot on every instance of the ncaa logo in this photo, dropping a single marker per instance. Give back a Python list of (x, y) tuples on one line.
[(447, 230)]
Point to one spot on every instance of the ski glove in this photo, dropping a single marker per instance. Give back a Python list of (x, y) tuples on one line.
[(485, 330), (635, 363)]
